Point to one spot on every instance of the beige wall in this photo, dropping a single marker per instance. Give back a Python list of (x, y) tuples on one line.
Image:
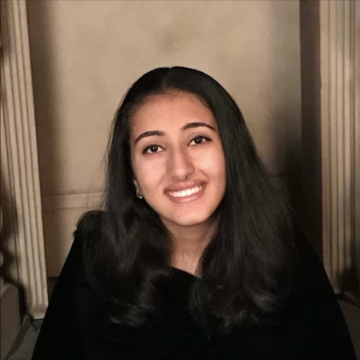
[(85, 54)]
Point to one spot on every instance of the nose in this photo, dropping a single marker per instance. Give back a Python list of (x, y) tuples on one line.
[(180, 165)]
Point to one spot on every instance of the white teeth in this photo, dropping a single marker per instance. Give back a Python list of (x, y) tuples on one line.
[(186, 192)]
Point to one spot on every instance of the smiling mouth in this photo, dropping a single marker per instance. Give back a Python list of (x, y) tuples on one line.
[(185, 193)]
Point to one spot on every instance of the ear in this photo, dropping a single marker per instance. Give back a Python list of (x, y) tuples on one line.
[(138, 191)]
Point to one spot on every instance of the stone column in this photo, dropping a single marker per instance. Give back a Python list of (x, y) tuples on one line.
[(19, 163), (340, 145)]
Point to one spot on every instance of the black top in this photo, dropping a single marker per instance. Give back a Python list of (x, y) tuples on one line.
[(310, 327)]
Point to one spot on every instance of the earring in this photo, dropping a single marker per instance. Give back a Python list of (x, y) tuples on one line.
[(138, 194)]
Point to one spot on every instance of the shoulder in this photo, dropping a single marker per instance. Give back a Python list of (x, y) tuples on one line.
[(90, 222), (89, 228), (87, 238), (311, 275)]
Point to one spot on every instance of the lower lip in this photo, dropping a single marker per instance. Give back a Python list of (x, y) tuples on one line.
[(187, 199)]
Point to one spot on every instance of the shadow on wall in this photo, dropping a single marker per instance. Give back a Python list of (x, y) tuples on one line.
[(44, 77), (289, 153)]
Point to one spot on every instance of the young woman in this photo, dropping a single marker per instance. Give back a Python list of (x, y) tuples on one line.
[(195, 255)]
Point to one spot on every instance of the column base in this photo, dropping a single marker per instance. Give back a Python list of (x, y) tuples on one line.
[(38, 312)]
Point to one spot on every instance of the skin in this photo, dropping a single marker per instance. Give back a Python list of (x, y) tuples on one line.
[(175, 145)]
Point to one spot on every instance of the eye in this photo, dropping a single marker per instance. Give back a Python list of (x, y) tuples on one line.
[(199, 140), (152, 149)]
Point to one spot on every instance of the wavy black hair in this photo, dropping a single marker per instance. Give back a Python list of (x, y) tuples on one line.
[(247, 269)]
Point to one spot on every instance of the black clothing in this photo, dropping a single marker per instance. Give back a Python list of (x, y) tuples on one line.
[(309, 327)]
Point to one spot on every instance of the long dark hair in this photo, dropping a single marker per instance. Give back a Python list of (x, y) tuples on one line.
[(248, 267)]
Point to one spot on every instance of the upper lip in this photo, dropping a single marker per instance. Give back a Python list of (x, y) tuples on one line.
[(184, 185)]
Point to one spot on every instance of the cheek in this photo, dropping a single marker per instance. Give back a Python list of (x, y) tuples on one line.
[(148, 174), (213, 163)]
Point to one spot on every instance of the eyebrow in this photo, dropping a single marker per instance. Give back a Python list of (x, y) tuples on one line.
[(161, 133), (197, 124)]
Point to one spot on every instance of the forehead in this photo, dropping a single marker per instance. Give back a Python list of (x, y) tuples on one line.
[(171, 110)]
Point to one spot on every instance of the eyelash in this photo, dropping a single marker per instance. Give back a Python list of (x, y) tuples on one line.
[(146, 150)]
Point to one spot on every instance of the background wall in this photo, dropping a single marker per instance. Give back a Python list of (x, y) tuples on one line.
[(86, 54)]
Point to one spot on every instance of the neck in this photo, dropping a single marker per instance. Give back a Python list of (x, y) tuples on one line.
[(189, 244)]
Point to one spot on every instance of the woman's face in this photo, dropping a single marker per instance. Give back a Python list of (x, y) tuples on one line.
[(178, 159)]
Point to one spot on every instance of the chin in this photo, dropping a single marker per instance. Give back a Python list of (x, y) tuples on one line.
[(188, 221)]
